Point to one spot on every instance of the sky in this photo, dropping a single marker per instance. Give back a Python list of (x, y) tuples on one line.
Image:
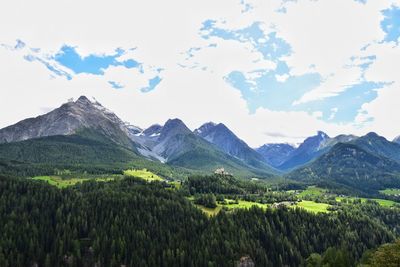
[(271, 70)]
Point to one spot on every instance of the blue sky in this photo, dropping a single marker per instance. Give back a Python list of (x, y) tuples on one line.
[(94, 64), (268, 91), (245, 63), (391, 24)]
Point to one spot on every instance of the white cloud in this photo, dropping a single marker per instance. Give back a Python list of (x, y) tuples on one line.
[(327, 33), (324, 33), (385, 108), (333, 84), (227, 56)]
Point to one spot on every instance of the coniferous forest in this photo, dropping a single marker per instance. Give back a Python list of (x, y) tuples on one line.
[(135, 223)]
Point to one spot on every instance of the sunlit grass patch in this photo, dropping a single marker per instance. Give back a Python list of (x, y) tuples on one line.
[(144, 174)]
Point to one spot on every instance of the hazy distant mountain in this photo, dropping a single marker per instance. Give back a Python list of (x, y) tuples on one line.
[(342, 138), (311, 148), (68, 119), (351, 165), (397, 140), (275, 154), (227, 141)]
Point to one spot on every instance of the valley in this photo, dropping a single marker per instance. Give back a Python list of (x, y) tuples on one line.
[(80, 187), (312, 198)]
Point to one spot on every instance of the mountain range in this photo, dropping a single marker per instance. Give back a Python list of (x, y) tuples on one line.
[(83, 132), (172, 144), (311, 148), (349, 165)]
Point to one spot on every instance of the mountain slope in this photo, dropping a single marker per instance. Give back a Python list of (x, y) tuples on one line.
[(397, 140), (379, 145), (87, 151), (69, 119), (352, 166), (70, 149), (227, 141), (275, 154), (311, 148), (181, 147), (40, 156)]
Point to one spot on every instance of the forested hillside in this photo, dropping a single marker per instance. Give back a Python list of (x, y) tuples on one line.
[(137, 223)]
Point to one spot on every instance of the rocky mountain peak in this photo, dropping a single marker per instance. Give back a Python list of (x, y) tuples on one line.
[(68, 119), (205, 128), (83, 100), (322, 135), (372, 135), (175, 123), (153, 130), (173, 127)]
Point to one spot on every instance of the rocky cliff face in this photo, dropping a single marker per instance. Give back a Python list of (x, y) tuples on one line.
[(68, 119)]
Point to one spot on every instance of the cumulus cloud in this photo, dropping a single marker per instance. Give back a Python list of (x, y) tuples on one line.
[(165, 37)]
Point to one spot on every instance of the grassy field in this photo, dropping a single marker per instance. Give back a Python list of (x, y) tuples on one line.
[(307, 205), (391, 192), (144, 174), (62, 183), (313, 206), (242, 204), (382, 202), (312, 191)]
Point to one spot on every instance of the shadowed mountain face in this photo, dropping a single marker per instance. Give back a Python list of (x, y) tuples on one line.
[(378, 145), (352, 166), (227, 141), (153, 131), (176, 144), (173, 139), (68, 119), (275, 154), (285, 157), (397, 140), (311, 148)]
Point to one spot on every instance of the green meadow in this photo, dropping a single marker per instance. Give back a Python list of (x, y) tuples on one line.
[(231, 205), (313, 206), (312, 191), (382, 202), (144, 174), (391, 192), (65, 182)]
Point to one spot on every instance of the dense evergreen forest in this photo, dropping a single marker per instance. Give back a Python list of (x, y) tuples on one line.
[(78, 154), (135, 223)]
